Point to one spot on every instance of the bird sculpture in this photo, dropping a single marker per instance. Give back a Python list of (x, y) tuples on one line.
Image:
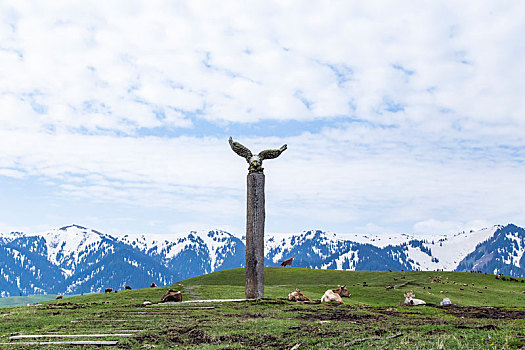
[(255, 161), (287, 262)]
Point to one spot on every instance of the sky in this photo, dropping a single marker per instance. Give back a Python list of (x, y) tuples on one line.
[(399, 116)]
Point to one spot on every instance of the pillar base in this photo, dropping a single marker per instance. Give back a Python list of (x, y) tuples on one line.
[(255, 215)]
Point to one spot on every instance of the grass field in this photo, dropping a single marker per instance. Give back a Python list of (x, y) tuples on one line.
[(24, 300), (313, 283), (492, 319)]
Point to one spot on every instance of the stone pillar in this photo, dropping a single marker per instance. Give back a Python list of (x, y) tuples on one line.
[(254, 270)]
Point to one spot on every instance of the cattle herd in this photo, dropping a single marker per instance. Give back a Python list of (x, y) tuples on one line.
[(331, 295), (341, 291)]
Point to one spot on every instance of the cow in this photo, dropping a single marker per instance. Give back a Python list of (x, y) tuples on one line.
[(296, 295), (127, 287), (60, 296), (171, 295), (108, 290), (410, 300), (287, 262), (153, 285), (335, 294)]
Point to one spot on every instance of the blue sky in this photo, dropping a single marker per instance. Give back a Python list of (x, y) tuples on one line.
[(399, 116)]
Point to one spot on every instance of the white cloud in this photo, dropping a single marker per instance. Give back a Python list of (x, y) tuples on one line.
[(427, 99), (432, 226), (242, 64)]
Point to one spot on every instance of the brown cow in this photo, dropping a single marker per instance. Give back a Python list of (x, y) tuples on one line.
[(108, 290), (171, 295), (297, 296), (153, 285), (287, 262), (127, 287), (335, 294), (60, 296)]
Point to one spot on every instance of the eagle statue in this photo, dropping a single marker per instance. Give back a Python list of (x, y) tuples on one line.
[(255, 161)]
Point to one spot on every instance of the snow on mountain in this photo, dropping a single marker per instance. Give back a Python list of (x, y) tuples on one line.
[(380, 241), (66, 246), (75, 259), (427, 252), (8, 237), (448, 251), (519, 243), (156, 243), (214, 243), (503, 252)]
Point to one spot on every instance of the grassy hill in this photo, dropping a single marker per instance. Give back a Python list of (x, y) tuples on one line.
[(494, 318), (24, 300), (427, 285)]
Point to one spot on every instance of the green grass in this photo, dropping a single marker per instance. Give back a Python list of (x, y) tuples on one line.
[(24, 300), (371, 313), (313, 283)]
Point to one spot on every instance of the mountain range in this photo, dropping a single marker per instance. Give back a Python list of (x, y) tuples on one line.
[(75, 259)]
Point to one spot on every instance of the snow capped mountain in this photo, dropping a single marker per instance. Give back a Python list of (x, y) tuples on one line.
[(216, 244), (75, 259), (194, 254), (72, 259), (70, 246), (318, 249), (503, 252)]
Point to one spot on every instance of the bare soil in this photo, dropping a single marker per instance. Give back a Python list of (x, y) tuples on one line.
[(485, 312)]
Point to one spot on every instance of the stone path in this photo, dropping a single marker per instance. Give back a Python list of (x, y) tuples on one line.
[(201, 301), (26, 336), (75, 342), (79, 342)]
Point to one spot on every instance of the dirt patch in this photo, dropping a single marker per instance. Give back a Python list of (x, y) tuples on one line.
[(67, 305), (245, 315), (436, 331), (334, 315), (485, 312), (261, 302), (147, 338), (197, 336), (253, 341), (193, 336), (255, 315), (485, 327), (312, 331), (270, 301), (393, 312)]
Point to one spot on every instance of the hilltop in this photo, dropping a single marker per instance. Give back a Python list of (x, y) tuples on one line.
[(370, 317), (462, 288)]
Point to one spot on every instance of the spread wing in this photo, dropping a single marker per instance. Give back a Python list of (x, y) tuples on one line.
[(272, 153), (241, 150)]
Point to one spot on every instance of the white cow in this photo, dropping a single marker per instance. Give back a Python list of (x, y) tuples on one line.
[(410, 300)]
